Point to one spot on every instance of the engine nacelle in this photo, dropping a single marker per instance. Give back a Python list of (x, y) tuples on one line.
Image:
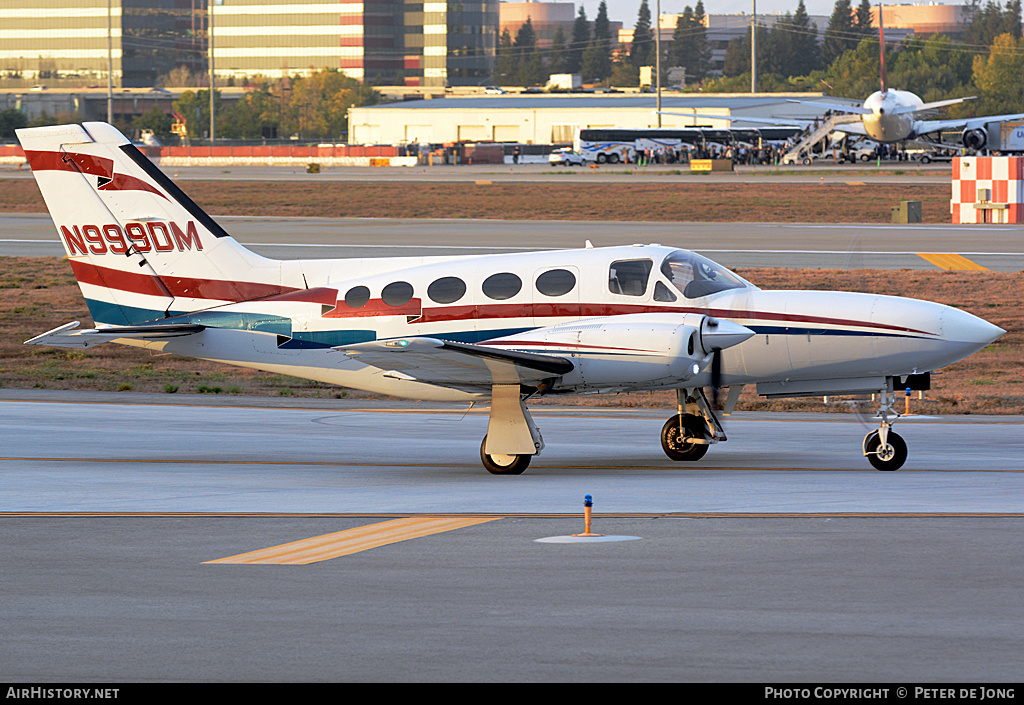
[(636, 351), (975, 139)]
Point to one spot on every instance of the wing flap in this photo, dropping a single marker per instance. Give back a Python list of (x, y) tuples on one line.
[(459, 365), (68, 335)]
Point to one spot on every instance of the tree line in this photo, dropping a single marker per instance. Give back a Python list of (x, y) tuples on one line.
[(310, 107), (987, 61)]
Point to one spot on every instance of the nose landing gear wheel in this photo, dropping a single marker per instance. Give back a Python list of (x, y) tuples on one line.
[(499, 464), (678, 444), (891, 456)]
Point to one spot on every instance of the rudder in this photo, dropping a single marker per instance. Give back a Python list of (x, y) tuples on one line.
[(140, 248)]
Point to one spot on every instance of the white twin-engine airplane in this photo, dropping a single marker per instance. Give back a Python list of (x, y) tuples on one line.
[(159, 273)]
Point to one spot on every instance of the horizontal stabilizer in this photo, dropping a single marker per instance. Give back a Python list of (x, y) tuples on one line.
[(68, 335), (930, 106), (458, 365), (856, 109)]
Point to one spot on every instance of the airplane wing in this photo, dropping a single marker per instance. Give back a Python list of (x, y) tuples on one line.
[(855, 109), (66, 336), (780, 122), (924, 127), (457, 365), (929, 106)]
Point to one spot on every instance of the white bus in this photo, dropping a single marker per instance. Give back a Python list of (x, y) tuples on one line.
[(614, 145)]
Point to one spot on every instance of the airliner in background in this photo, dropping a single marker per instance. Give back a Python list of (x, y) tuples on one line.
[(158, 273), (889, 116)]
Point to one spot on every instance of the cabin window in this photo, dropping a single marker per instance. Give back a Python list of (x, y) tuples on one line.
[(357, 297), (695, 276), (556, 282), (397, 293), (446, 290), (629, 277), (502, 286), (663, 293)]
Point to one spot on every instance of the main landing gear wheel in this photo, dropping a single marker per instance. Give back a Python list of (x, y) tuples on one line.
[(891, 456), (678, 444), (504, 464)]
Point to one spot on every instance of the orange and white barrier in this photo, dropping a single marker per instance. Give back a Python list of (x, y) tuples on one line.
[(988, 190)]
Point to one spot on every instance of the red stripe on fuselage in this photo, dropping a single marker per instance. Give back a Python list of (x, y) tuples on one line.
[(138, 283), (220, 290), (377, 307), (440, 315)]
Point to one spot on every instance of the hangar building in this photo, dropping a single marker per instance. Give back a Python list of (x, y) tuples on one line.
[(554, 118)]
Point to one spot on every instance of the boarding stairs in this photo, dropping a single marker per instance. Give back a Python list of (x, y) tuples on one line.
[(801, 151)]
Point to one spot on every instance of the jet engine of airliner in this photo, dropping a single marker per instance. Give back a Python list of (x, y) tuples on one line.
[(975, 139)]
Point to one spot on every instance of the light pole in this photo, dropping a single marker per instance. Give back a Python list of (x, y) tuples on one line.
[(657, 52), (753, 46), (213, 129), (110, 65)]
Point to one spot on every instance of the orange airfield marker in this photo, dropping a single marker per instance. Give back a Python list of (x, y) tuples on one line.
[(588, 504)]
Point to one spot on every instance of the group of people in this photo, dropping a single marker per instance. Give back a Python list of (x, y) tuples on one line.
[(891, 152), (767, 153), (684, 153)]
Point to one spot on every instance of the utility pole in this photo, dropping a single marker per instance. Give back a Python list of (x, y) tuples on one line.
[(657, 52), (213, 132), (753, 46), (110, 64)]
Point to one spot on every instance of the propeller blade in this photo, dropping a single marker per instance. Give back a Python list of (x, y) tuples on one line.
[(716, 376)]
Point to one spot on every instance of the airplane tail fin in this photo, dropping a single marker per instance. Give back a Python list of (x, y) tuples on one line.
[(881, 48), (140, 249)]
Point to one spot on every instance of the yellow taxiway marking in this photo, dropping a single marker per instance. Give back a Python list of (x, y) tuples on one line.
[(480, 518), (344, 543), (951, 261)]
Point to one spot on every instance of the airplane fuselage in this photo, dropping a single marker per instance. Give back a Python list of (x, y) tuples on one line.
[(885, 124), (504, 300)]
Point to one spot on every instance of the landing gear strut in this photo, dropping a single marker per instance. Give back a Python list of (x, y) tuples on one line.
[(885, 449), (688, 435), (512, 437)]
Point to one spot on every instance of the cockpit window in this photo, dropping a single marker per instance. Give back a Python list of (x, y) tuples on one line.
[(695, 276), (629, 277), (663, 293)]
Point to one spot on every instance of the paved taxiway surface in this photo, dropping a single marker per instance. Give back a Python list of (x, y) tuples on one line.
[(824, 173), (344, 456), (853, 246), (781, 557)]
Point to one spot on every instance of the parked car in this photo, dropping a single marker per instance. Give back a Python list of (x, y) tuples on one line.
[(494, 90), (865, 153), (936, 155), (565, 157), (805, 158)]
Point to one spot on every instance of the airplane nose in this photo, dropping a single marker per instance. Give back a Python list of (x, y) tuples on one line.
[(968, 332)]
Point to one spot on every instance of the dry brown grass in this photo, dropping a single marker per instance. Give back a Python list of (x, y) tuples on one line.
[(37, 294), (769, 201)]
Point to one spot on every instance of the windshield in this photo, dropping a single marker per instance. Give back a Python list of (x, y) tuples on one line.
[(695, 276)]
